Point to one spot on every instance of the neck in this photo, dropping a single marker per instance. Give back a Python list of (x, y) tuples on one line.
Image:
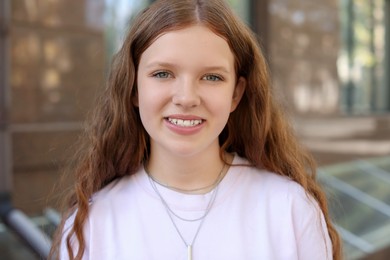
[(188, 173)]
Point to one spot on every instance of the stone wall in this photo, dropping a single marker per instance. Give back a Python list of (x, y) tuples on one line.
[(57, 56)]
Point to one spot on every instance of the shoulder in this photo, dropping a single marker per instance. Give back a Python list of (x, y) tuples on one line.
[(107, 202), (119, 188), (265, 181), (272, 192), (292, 213)]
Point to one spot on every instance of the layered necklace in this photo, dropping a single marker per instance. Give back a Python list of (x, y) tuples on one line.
[(172, 214)]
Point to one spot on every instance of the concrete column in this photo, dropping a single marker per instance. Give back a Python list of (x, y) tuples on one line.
[(259, 21), (5, 154)]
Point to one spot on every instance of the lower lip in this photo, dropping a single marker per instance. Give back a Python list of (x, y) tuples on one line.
[(181, 130)]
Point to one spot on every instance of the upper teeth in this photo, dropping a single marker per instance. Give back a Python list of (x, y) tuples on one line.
[(185, 123)]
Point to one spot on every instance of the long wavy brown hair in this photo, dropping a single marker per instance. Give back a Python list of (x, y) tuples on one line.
[(117, 144)]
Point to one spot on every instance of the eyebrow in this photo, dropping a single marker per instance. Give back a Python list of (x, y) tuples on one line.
[(160, 64), (172, 65)]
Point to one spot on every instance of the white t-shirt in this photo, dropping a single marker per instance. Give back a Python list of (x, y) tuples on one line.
[(256, 215)]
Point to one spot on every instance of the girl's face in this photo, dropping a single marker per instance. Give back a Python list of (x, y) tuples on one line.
[(186, 90)]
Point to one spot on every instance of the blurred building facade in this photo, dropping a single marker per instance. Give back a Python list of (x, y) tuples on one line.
[(56, 62), (330, 65), (329, 62)]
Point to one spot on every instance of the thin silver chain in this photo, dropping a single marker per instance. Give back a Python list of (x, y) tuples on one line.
[(212, 185), (209, 205), (171, 213)]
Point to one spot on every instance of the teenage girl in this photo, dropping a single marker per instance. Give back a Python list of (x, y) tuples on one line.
[(188, 156)]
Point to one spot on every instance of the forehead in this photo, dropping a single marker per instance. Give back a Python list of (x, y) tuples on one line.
[(195, 44)]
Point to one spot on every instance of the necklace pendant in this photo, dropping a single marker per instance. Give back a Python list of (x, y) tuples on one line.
[(189, 252)]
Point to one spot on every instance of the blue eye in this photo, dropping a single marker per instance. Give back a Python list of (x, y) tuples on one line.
[(212, 77), (161, 74)]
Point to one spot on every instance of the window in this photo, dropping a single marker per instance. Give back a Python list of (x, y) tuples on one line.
[(117, 17), (241, 7), (361, 63)]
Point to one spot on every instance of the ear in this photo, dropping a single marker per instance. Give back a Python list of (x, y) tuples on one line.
[(238, 92)]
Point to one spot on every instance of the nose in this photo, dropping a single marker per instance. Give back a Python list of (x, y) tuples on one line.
[(186, 94)]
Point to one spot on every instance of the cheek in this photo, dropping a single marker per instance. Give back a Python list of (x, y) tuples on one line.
[(151, 101), (146, 94), (144, 103), (220, 107), (147, 107), (219, 101)]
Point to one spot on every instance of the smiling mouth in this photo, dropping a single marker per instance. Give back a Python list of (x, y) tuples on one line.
[(185, 123)]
